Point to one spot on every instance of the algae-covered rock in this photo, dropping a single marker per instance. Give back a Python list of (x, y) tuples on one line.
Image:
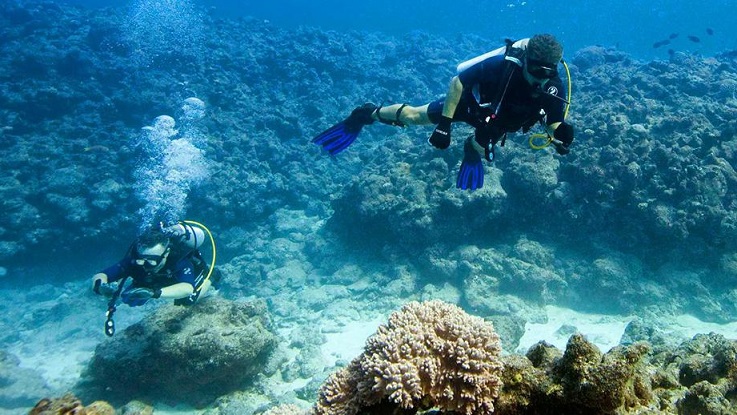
[(70, 405), (183, 354), (697, 377)]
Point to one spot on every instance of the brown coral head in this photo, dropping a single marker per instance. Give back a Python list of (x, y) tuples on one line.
[(432, 354)]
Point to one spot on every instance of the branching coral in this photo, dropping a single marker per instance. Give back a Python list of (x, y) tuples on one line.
[(430, 354)]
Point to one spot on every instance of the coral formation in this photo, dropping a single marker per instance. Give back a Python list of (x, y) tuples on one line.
[(632, 379), (396, 375), (430, 354), (184, 354), (70, 405)]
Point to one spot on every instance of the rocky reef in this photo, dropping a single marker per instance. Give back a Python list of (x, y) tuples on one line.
[(182, 354), (647, 182), (420, 364), (697, 377), (68, 405), (638, 219)]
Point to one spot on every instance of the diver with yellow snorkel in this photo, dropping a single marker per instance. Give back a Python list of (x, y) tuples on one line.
[(162, 263), (509, 89)]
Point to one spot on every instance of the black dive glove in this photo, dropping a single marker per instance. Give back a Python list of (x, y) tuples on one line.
[(440, 138), (564, 134)]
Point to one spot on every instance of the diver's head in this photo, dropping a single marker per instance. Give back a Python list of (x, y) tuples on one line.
[(542, 57), (151, 251)]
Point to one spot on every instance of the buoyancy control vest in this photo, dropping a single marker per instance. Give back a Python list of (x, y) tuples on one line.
[(514, 53)]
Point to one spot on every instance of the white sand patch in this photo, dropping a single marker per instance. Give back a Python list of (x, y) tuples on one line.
[(60, 368), (348, 342), (687, 326), (603, 330)]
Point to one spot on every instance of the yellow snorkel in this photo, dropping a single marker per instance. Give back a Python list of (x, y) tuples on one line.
[(539, 141)]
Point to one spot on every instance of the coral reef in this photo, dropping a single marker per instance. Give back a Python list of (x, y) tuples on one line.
[(416, 363), (182, 354), (649, 173), (430, 354), (697, 377), (70, 405)]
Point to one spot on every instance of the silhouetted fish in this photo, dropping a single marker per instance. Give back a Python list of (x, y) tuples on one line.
[(694, 39), (673, 36), (709, 31), (661, 43), (97, 149)]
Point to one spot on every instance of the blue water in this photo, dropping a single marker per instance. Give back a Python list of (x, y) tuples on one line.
[(632, 26), (251, 145)]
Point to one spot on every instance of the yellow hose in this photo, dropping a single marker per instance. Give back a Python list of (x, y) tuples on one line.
[(546, 138)]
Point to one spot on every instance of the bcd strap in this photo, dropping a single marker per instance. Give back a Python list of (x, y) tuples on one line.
[(510, 65)]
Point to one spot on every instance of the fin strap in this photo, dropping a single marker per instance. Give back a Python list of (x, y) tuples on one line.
[(396, 122)]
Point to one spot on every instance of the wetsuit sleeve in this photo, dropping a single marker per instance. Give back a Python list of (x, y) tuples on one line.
[(116, 271)]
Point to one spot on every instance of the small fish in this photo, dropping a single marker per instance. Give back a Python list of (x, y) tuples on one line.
[(97, 149), (673, 36), (694, 39), (661, 43), (709, 31)]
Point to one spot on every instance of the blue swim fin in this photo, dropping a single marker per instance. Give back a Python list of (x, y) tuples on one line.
[(471, 173), (338, 137)]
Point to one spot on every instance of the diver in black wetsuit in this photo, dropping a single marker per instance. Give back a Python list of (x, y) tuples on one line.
[(505, 90), (162, 263)]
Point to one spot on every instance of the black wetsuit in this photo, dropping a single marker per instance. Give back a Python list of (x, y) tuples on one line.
[(188, 268), (483, 86)]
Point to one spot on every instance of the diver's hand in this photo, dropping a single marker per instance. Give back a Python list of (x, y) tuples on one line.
[(560, 148), (564, 134), (440, 138), (103, 288)]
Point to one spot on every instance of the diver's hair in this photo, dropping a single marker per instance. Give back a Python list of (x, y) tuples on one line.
[(545, 48), (151, 239)]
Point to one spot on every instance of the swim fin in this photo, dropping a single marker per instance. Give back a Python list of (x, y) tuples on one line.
[(338, 137), (471, 173)]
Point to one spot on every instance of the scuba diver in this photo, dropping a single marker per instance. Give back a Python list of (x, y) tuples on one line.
[(162, 263), (505, 90)]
